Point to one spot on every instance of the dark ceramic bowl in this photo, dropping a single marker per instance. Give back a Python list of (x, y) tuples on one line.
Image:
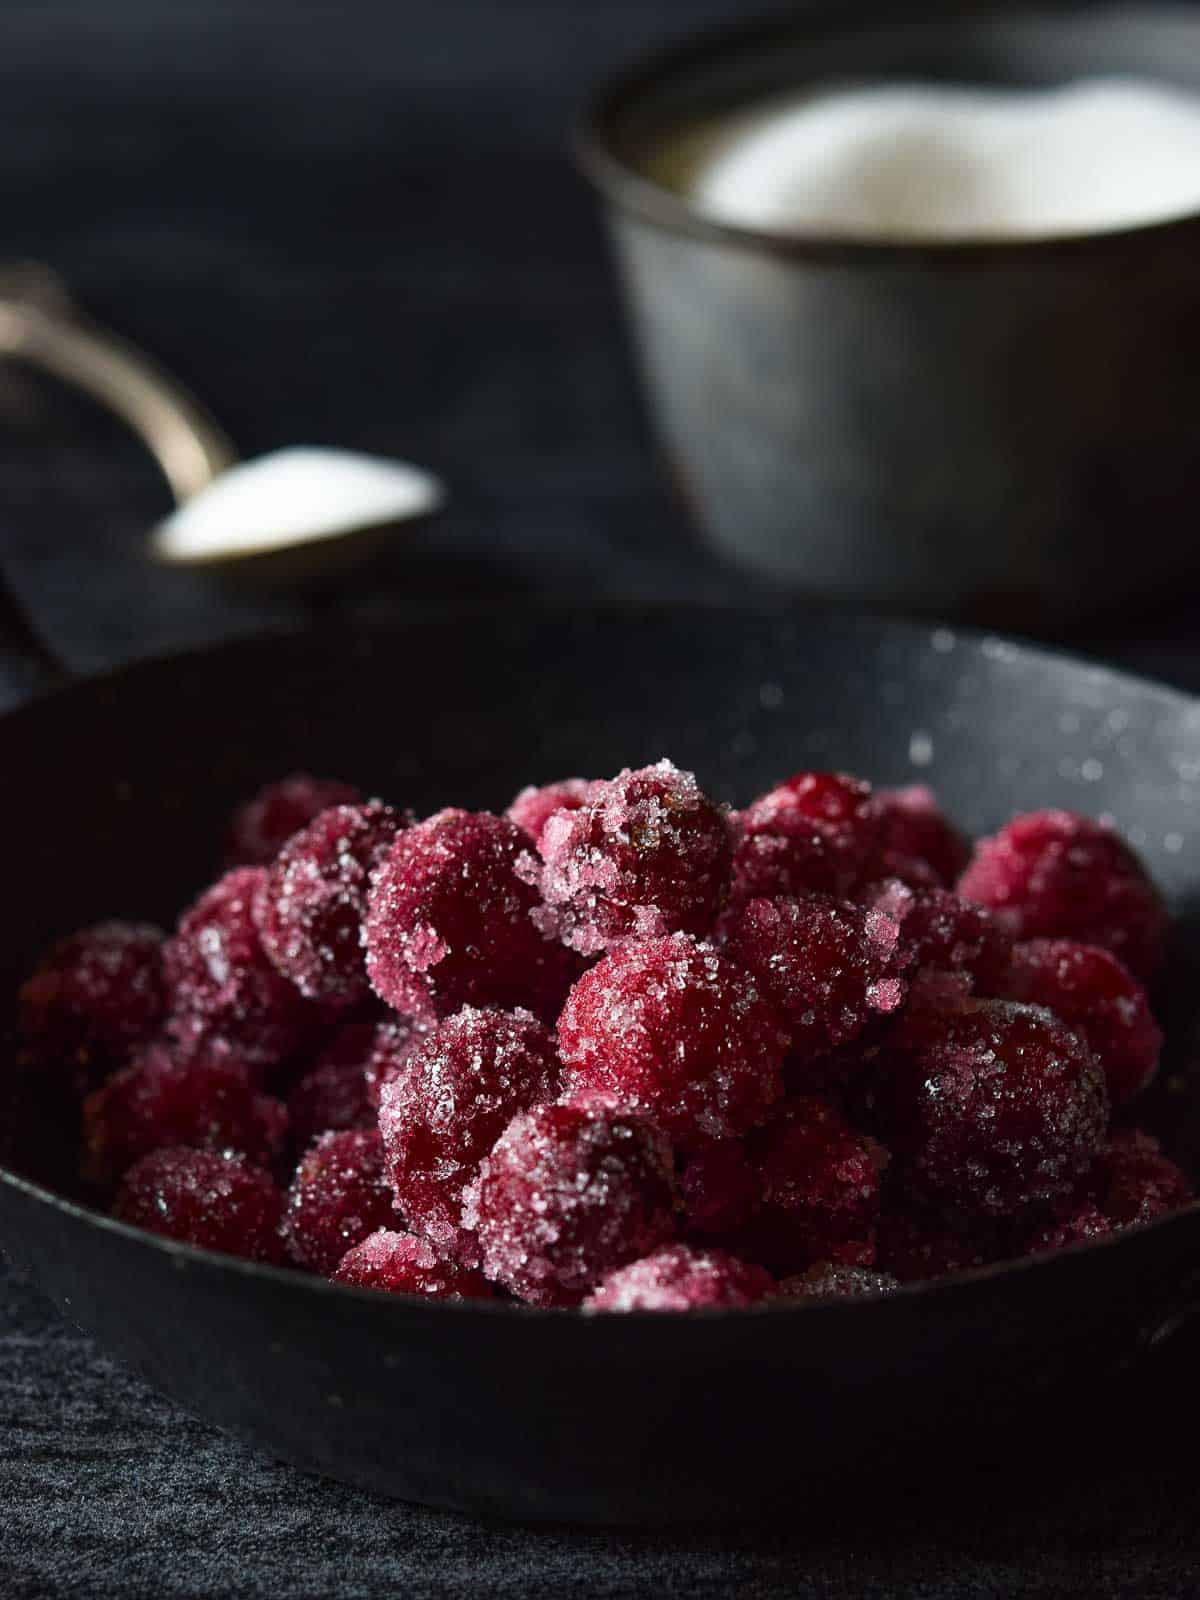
[(1005, 431), (117, 791)]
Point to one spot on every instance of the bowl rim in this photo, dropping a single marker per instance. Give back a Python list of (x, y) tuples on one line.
[(182, 1255), (631, 192)]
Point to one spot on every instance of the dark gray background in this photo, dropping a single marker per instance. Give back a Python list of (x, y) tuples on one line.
[(356, 225)]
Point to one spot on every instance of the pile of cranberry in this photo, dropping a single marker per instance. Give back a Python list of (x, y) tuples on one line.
[(622, 1049)]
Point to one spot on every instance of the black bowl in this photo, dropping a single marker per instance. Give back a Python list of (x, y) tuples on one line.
[(112, 802)]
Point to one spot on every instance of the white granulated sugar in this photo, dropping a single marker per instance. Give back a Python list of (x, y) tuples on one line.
[(890, 161), (293, 497)]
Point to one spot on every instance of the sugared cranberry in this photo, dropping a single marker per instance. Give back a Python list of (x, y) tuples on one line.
[(94, 996), (535, 805), (393, 1042), (401, 1263), (449, 922), (259, 829), (1133, 1182), (1094, 993), (990, 1106), (220, 980), (309, 907), (209, 1198), (567, 1196), (915, 1242), (445, 1107), (678, 1278), (648, 854), (670, 1028), (719, 1189), (200, 1102), (828, 1280), (1082, 1222), (1053, 874), (917, 842), (339, 1195), (819, 1183), (815, 832), (830, 967), (333, 1093), (943, 933)]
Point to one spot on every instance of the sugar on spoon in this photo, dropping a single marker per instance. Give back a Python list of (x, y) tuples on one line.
[(263, 514)]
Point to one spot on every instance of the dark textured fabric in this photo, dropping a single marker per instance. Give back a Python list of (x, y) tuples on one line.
[(355, 225)]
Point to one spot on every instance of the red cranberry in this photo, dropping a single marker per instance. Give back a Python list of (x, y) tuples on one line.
[(648, 854), (220, 981), (400, 1263), (310, 905), (333, 1093), (815, 832), (942, 933), (94, 996), (917, 842), (1082, 1222), (259, 829), (992, 1106), (394, 1041), (444, 1109), (566, 1196), (201, 1102), (678, 1278), (915, 1243), (1052, 874), (210, 1198), (829, 966), (534, 806), (1094, 993), (449, 922), (1133, 1182), (339, 1195), (719, 1189), (829, 1280), (819, 1183), (670, 1028)]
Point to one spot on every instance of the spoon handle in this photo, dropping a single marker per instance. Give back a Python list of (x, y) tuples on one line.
[(38, 325)]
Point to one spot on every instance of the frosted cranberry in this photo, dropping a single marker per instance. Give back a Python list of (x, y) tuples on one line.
[(819, 1186), (259, 829), (310, 905), (917, 843), (829, 966), (209, 1198), (1052, 874), (648, 854), (94, 996), (566, 1196), (449, 922), (534, 806), (339, 1195), (678, 1278), (1133, 1182), (828, 1280), (220, 980), (815, 832), (1083, 1222), (444, 1109), (1094, 993), (915, 1243), (391, 1046), (719, 1189), (333, 1094), (993, 1106), (400, 1263), (200, 1102), (942, 932), (670, 1028)]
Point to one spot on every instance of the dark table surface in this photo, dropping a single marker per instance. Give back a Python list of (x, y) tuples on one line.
[(355, 225)]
